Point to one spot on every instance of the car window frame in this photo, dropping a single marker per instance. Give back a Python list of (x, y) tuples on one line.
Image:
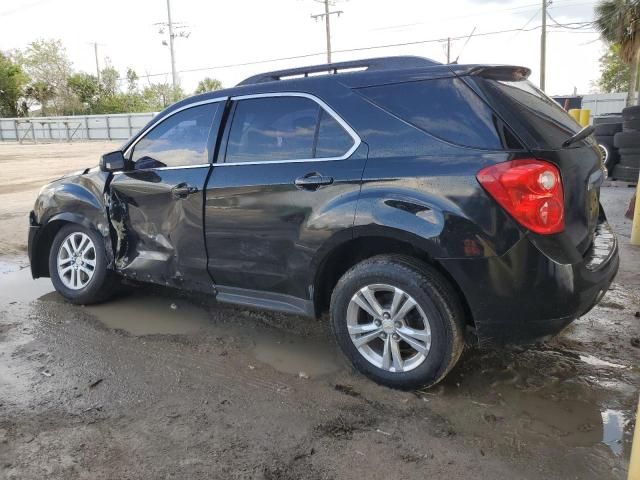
[(222, 156), (215, 125)]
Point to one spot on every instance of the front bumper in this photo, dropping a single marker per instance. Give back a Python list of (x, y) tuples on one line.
[(523, 295), (34, 231)]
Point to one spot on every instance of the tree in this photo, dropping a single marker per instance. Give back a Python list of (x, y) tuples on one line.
[(48, 67), (85, 87), (160, 95), (208, 84), (614, 73), (619, 23), (132, 80), (12, 84), (109, 81)]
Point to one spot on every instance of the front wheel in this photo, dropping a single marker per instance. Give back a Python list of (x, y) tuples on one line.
[(399, 321), (78, 266)]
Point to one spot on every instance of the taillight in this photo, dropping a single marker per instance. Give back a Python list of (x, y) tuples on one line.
[(529, 190)]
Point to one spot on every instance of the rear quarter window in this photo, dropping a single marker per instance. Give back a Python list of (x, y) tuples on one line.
[(545, 124), (447, 109)]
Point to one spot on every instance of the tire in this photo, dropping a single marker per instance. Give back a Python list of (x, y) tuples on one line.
[(80, 288), (609, 153), (607, 119), (631, 125), (628, 151), (437, 305), (630, 161), (627, 140), (607, 129), (631, 113), (625, 173)]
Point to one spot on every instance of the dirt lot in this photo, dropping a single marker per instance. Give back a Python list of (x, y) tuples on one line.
[(158, 384)]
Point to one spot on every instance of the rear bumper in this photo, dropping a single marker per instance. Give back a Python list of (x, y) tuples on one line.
[(523, 295)]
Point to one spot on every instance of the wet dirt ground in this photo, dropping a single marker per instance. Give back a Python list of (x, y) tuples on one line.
[(160, 384)]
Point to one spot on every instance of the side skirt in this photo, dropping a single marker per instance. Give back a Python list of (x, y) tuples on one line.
[(265, 300)]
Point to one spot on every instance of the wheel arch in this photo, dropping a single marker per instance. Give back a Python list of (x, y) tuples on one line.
[(367, 243), (47, 233)]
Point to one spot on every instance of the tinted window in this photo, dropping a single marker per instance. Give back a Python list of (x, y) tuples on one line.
[(445, 108), (333, 140), (180, 140), (549, 123), (272, 128)]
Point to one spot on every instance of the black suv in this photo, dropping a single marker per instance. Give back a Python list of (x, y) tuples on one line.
[(410, 199)]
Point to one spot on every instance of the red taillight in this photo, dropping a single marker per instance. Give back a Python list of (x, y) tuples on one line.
[(529, 190)]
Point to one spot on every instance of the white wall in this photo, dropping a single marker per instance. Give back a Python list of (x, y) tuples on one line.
[(602, 103), (78, 127)]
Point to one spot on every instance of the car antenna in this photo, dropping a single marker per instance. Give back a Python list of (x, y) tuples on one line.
[(455, 62)]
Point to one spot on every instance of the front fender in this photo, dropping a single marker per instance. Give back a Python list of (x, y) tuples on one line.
[(76, 199)]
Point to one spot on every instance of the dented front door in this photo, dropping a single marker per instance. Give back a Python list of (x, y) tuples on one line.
[(156, 205)]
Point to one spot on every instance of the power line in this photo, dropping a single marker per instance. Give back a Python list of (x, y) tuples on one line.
[(346, 50), (531, 6)]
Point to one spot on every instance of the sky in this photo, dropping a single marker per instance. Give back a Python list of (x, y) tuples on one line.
[(225, 33)]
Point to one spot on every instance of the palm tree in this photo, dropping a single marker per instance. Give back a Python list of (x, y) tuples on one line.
[(619, 23)]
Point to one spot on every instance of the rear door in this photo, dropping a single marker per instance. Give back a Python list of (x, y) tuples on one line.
[(287, 179), (156, 204)]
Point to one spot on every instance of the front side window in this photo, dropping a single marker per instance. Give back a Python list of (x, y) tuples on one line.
[(180, 140), (284, 128)]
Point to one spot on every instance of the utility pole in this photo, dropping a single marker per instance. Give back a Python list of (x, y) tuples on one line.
[(175, 30), (174, 76), (326, 15), (448, 50), (95, 49), (543, 46)]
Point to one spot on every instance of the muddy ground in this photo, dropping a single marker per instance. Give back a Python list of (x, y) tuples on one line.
[(158, 384)]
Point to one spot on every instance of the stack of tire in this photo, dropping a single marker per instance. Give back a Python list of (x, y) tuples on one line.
[(606, 127), (628, 144)]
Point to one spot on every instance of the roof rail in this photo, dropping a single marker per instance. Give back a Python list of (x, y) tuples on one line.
[(369, 64)]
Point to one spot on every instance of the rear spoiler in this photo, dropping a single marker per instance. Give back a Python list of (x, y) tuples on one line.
[(504, 73)]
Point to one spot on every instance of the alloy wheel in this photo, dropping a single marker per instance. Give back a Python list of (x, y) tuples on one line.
[(388, 327), (76, 261)]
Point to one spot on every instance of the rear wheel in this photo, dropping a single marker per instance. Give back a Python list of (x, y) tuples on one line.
[(399, 322), (78, 266)]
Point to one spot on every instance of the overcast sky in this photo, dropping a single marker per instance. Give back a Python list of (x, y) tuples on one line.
[(228, 32)]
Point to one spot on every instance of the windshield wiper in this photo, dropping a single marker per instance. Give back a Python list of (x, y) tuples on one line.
[(581, 135)]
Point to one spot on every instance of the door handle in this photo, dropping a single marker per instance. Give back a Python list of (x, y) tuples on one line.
[(312, 181), (182, 190)]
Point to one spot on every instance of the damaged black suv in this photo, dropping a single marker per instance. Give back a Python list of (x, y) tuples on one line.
[(412, 200)]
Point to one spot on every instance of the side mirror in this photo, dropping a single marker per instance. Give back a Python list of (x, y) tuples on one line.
[(112, 161)]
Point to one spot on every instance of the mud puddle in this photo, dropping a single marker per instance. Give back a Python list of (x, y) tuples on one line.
[(16, 285), (542, 396), (158, 311), (144, 313)]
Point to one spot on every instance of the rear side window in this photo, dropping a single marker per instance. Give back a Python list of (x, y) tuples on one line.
[(447, 109), (282, 128), (333, 140)]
